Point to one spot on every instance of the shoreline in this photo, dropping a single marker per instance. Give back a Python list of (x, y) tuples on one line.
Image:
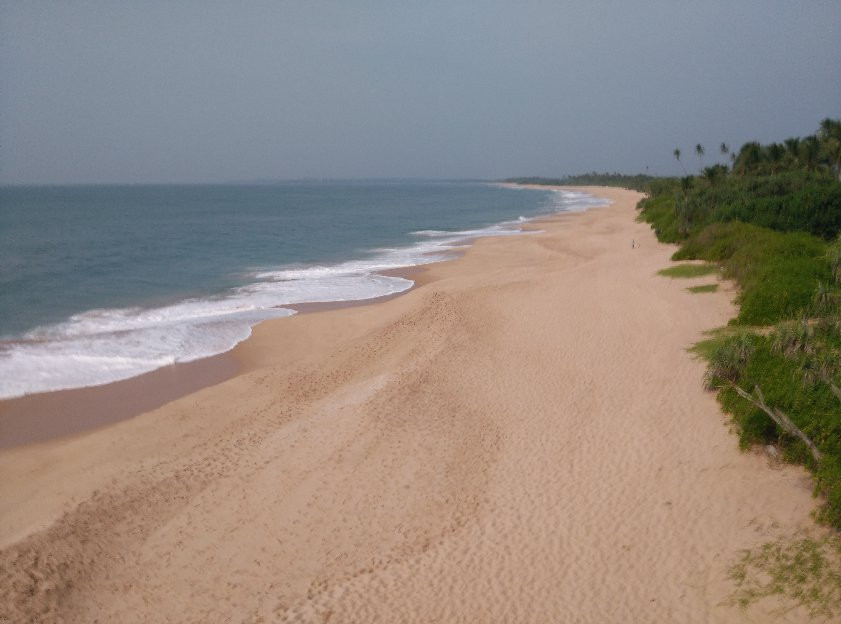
[(59, 414), (524, 436), (53, 415), (96, 341)]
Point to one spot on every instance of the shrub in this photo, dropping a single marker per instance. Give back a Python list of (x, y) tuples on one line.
[(659, 211), (777, 272)]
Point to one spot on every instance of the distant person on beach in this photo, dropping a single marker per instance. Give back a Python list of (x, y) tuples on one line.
[(633, 243)]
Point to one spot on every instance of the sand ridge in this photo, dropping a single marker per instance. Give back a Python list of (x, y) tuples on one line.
[(522, 438)]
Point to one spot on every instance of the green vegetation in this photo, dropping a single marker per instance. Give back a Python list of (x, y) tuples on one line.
[(807, 571), (706, 288), (777, 272), (772, 223), (784, 201), (659, 211), (639, 182), (688, 270)]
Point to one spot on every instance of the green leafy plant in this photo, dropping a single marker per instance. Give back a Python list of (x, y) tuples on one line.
[(688, 270)]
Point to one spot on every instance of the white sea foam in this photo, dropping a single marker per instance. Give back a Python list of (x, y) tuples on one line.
[(87, 356), (102, 346), (563, 200)]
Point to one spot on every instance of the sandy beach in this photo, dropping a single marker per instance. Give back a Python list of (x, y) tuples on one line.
[(523, 437)]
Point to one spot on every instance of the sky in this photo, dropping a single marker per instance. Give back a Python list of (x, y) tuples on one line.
[(202, 91)]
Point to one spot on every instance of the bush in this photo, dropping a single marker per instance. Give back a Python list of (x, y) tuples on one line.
[(787, 202), (777, 272), (688, 270), (659, 211), (815, 208)]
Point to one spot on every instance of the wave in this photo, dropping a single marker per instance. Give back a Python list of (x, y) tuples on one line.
[(106, 345)]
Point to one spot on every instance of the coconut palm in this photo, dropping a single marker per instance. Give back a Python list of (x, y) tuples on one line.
[(676, 154), (699, 149)]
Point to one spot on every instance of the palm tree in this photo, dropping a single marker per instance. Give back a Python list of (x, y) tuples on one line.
[(724, 149), (699, 149), (677, 156)]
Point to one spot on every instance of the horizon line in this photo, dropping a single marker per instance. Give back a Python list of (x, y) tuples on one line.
[(257, 181)]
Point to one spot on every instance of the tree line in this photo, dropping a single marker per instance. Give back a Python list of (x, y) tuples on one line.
[(819, 152)]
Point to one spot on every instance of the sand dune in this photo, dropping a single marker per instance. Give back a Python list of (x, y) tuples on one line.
[(522, 438)]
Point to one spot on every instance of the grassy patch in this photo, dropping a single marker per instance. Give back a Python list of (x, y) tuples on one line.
[(688, 270), (705, 288), (806, 571)]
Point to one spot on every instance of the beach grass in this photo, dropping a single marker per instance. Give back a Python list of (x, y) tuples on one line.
[(705, 288), (807, 571), (688, 270)]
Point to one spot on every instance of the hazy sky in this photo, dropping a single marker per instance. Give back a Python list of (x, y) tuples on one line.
[(205, 91)]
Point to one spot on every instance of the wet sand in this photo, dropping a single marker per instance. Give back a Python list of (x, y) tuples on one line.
[(47, 416)]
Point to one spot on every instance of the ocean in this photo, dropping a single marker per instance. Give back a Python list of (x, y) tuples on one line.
[(102, 283)]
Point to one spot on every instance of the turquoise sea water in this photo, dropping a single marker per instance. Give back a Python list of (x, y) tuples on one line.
[(99, 283)]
